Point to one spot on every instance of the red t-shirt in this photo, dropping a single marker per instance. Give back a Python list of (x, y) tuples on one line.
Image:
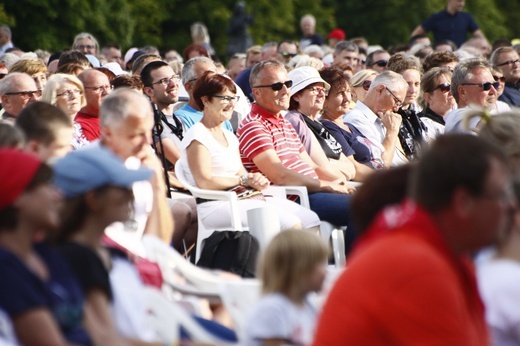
[(89, 126), (261, 131), (404, 287)]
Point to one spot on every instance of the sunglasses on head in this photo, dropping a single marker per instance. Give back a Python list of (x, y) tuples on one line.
[(444, 87), (366, 85), (381, 63), (485, 86), (499, 79), (276, 86)]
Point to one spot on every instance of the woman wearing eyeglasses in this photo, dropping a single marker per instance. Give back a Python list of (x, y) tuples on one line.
[(360, 83), (412, 133), (66, 92), (436, 99), (210, 159)]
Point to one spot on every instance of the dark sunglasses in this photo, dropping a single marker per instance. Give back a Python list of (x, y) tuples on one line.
[(444, 87), (288, 55), (499, 79), (485, 86), (276, 86), (381, 63), (366, 84)]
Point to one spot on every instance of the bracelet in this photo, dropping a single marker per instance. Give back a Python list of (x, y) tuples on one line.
[(243, 179)]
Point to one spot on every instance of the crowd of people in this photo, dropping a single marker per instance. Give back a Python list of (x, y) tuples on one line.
[(412, 152)]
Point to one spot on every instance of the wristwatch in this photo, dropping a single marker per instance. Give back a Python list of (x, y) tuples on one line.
[(243, 179)]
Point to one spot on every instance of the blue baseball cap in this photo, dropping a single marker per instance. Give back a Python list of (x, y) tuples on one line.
[(93, 167)]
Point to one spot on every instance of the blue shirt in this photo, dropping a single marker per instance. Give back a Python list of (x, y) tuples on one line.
[(511, 94), (242, 81), (190, 116), (450, 27)]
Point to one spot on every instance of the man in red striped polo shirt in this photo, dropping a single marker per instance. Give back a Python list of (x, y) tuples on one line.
[(269, 144)]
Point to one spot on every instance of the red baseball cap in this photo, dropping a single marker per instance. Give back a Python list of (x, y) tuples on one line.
[(17, 170), (338, 34)]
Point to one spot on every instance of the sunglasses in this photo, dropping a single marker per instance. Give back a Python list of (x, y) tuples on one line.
[(288, 55), (485, 86), (276, 86), (26, 94), (444, 87), (499, 79), (381, 63), (366, 85)]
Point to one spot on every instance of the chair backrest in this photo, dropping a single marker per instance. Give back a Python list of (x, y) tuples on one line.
[(338, 246)]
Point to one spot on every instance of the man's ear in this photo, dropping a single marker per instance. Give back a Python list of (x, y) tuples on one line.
[(462, 202), (148, 91), (32, 146)]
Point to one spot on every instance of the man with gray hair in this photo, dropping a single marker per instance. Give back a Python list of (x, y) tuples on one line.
[(472, 85), (507, 60), (308, 26), (346, 52), (17, 90), (5, 39), (86, 43), (190, 113), (377, 119), (126, 129)]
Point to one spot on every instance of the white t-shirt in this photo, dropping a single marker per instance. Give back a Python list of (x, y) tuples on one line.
[(276, 317), (498, 281)]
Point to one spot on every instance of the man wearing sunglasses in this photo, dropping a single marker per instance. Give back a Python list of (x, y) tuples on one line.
[(472, 84), (286, 51), (377, 119), (378, 60), (270, 144), (17, 90), (507, 60)]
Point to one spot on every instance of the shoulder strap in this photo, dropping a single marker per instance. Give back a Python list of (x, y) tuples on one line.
[(177, 128)]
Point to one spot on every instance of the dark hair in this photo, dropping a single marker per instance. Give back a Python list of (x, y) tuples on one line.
[(136, 64), (209, 84), (445, 42), (370, 57), (9, 215), (146, 73), (334, 76), (414, 39), (73, 68), (74, 56), (438, 59), (400, 63), (381, 189), (195, 47), (452, 162), (54, 56), (40, 121), (126, 81)]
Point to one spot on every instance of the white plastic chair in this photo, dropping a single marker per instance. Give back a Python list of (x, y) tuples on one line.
[(230, 197), (166, 317), (338, 247)]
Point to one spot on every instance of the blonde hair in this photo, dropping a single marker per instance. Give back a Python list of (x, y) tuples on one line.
[(289, 259), (358, 78), (30, 66), (54, 83), (502, 129)]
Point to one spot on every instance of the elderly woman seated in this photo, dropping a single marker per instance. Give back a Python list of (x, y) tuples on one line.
[(210, 159)]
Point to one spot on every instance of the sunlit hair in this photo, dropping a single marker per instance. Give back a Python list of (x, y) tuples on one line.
[(335, 77), (429, 82), (289, 259), (359, 77), (438, 59), (400, 63), (86, 35), (464, 71), (211, 84), (55, 82), (29, 66)]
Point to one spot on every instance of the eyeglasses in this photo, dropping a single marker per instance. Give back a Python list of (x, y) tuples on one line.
[(366, 84), (485, 86), (100, 89), (276, 86), (166, 81), (26, 94), (228, 99), (317, 90), (69, 93), (444, 87), (288, 55), (380, 63), (510, 62), (398, 103), (85, 46), (499, 79)]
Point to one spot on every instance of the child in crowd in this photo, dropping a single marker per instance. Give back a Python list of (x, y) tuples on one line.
[(293, 265)]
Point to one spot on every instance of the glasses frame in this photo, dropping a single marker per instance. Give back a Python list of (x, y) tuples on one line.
[(444, 87), (366, 85), (69, 93), (100, 89), (276, 86), (380, 63), (398, 103), (228, 99), (25, 94), (166, 81), (509, 62), (499, 79), (318, 89), (485, 86)]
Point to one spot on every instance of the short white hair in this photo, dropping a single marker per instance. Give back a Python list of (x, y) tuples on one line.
[(119, 105), (308, 17)]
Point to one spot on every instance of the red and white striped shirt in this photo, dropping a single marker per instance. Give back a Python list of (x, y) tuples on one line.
[(261, 131)]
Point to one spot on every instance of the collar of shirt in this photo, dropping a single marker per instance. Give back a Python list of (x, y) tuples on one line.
[(374, 119), (264, 113)]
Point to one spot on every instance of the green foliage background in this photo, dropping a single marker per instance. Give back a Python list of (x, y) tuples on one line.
[(52, 24)]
